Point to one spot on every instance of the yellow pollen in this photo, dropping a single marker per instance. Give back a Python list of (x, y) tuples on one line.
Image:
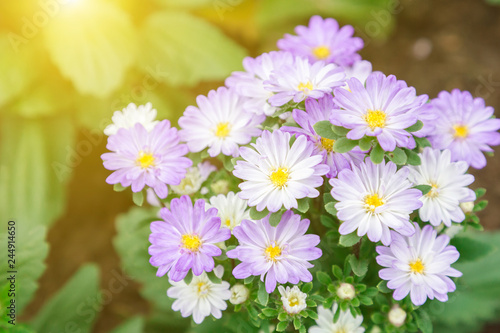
[(434, 192), (145, 160), (375, 118), (222, 130), (305, 87), (279, 177), (372, 202), (191, 242), (293, 301), (417, 266), (202, 288), (321, 52), (273, 251), (327, 144), (461, 131), (228, 222)]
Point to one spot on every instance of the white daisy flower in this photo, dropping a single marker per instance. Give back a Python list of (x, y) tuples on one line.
[(195, 177), (293, 299), (131, 115), (448, 180), (345, 324), (231, 209), (219, 123), (373, 198), (276, 174), (303, 79), (201, 297)]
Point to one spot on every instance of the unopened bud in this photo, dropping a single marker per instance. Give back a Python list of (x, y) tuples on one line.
[(467, 207), (397, 316), (220, 187), (346, 291), (239, 294)]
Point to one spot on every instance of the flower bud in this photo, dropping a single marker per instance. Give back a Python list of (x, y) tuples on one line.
[(467, 207), (239, 294), (220, 187), (346, 291), (397, 316)]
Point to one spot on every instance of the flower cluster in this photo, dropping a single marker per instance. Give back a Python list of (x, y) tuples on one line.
[(305, 156)]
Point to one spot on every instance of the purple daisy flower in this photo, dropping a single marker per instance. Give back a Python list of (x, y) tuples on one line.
[(319, 110), (419, 265), (282, 252), (186, 239), (250, 84), (464, 126), (143, 158), (373, 198), (385, 108), (324, 40), (302, 79)]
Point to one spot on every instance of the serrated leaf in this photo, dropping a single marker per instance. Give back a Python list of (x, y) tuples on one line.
[(415, 127), (349, 240), (424, 188), (324, 129), (471, 248), (398, 156), (377, 154), (323, 278), (296, 323), (330, 208), (359, 267), (138, 198), (423, 321), (282, 316), (134, 324), (80, 292), (256, 215), (282, 326), (93, 44), (187, 49), (262, 295), (344, 145)]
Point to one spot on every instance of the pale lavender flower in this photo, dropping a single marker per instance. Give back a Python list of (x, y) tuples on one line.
[(324, 40), (276, 175), (142, 158), (302, 79), (448, 180), (186, 239), (219, 123), (250, 84), (319, 110), (464, 126), (373, 198), (281, 253), (385, 108), (419, 265), (360, 70)]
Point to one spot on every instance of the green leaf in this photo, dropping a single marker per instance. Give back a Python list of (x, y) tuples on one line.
[(422, 142), (365, 300), (323, 278), (74, 303), (359, 267), (377, 154), (184, 49), (471, 248), (249, 279), (213, 278), (341, 131), (133, 325), (268, 312), (382, 287), (424, 188), (262, 295), (303, 205), (423, 321), (92, 45), (349, 240), (189, 277), (275, 218), (282, 326), (480, 205), (118, 187), (480, 192), (312, 314), (337, 272), (327, 221), (378, 318), (256, 215), (283, 316), (415, 127), (296, 323), (330, 208), (344, 145), (324, 129), (413, 158), (398, 156), (366, 143), (307, 287), (138, 198)]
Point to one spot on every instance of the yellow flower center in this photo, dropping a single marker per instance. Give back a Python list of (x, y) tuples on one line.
[(321, 52), (293, 301), (202, 288), (327, 144), (305, 87), (279, 177), (417, 266), (434, 192), (191, 242), (228, 222), (145, 160), (372, 202), (375, 118), (273, 251), (222, 130), (461, 131)]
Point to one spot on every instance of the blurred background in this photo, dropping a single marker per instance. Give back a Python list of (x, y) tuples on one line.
[(67, 65)]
